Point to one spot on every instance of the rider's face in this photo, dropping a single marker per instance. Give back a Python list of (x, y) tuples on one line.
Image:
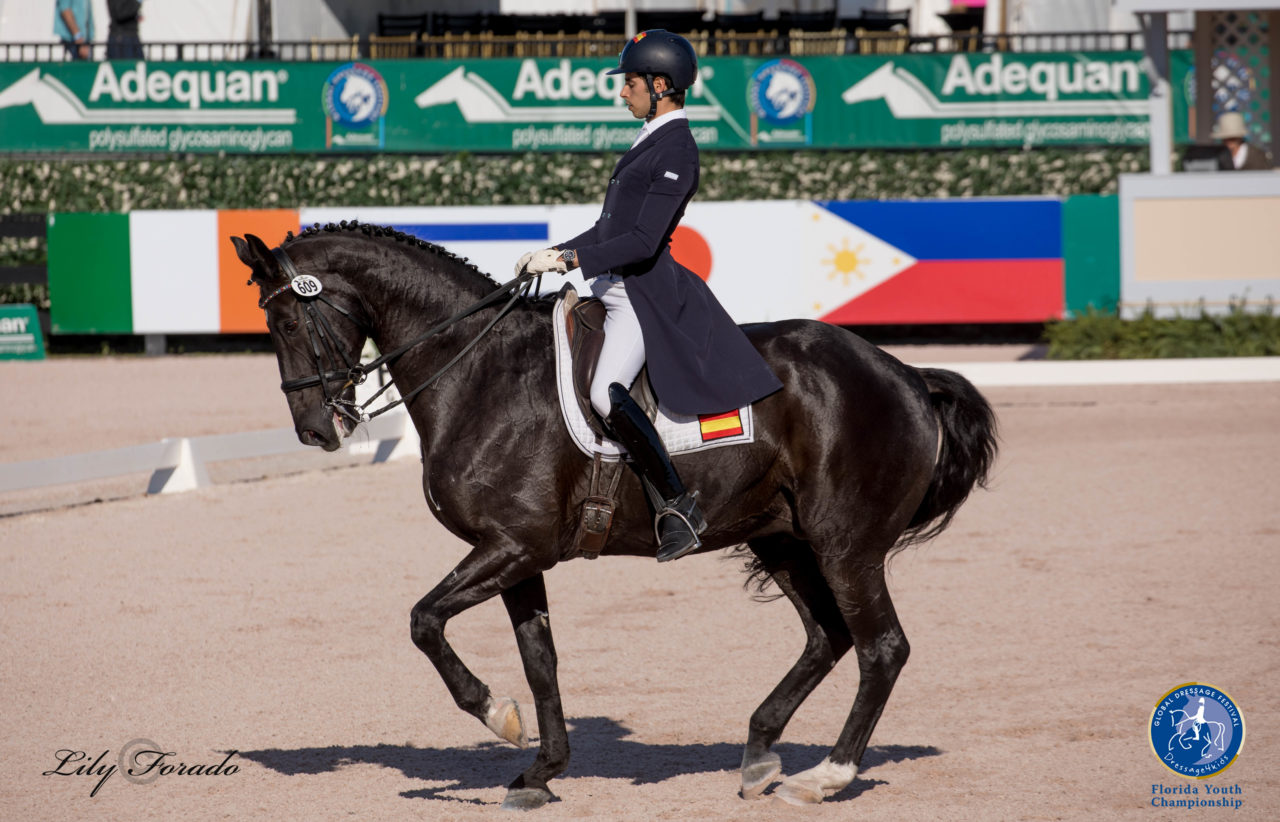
[(636, 96), (636, 93)]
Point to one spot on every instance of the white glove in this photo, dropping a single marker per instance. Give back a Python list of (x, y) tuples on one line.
[(523, 261), (546, 260)]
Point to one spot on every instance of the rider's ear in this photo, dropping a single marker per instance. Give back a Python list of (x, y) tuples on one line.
[(254, 253)]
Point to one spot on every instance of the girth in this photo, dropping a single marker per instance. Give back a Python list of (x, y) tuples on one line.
[(584, 324)]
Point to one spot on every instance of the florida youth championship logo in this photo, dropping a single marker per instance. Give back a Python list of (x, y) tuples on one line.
[(1196, 730), (355, 100)]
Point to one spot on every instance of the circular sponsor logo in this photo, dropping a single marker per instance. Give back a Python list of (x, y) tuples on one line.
[(781, 92), (355, 95), (1196, 730)]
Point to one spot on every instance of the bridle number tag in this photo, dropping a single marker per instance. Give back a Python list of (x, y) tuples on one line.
[(304, 285)]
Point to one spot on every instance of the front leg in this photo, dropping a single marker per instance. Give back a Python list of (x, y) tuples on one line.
[(486, 571), (527, 606)]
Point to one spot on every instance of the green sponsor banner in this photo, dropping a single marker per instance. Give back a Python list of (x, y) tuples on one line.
[(515, 105), (20, 337), (1010, 100)]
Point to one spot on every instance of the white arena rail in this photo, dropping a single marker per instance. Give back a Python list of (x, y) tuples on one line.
[(1028, 373), (179, 464)]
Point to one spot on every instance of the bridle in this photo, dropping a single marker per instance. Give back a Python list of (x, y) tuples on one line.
[(325, 345)]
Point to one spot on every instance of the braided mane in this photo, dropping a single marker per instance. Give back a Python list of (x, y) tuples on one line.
[(370, 230)]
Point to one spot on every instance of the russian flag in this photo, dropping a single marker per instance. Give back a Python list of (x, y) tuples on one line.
[(977, 261)]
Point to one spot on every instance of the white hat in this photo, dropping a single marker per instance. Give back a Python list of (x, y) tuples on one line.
[(1230, 124)]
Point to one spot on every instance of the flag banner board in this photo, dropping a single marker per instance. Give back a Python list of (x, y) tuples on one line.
[(856, 262), (559, 104)]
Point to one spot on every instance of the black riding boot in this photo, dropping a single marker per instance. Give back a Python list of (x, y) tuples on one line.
[(678, 520)]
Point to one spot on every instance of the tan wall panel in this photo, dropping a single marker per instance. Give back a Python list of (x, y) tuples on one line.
[(1206, 238)]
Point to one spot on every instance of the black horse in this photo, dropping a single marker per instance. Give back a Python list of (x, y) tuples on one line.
[(858, 455)]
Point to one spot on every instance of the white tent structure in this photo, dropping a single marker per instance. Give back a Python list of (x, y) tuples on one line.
[(188, 21), (164, 21)]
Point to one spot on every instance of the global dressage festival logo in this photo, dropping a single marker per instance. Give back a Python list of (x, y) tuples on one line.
[(781, 95), (1196, 730), (781, 91), (355, 99)]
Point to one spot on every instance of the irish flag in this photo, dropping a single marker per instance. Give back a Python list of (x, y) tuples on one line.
[(157, 272)]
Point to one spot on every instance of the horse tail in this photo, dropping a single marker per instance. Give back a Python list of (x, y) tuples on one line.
[(965, 455)]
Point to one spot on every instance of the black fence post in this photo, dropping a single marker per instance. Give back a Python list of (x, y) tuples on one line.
[(265, 33)]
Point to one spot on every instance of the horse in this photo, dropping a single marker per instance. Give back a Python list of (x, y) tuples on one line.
[(859, 455)]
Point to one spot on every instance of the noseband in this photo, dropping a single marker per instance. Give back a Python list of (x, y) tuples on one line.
[(324, 343)]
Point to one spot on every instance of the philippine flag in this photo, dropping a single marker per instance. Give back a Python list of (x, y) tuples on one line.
[(973, 261)]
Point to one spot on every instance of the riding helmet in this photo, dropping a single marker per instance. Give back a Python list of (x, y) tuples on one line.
[(658, 51)]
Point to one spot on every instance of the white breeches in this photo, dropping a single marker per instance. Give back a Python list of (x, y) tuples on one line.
[(622, 356)]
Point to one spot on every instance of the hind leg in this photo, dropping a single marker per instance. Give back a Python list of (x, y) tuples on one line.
[(795, 571), (882, 650)]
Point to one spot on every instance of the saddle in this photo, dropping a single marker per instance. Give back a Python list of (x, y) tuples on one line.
[(584, 324)]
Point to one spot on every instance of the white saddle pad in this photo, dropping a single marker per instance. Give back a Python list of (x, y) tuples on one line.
[(681, 433)]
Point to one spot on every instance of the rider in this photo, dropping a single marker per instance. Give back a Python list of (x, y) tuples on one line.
[(700, 362)]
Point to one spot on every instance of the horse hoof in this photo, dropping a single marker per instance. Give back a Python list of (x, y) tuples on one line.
[(793, 793), (526, 799), (505, 720), (811, 786), (760, 774)]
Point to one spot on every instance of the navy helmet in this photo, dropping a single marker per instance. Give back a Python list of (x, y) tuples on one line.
[(658, 51)]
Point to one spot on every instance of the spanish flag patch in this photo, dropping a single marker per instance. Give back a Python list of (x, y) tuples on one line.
[(719, 426), (639, 37)]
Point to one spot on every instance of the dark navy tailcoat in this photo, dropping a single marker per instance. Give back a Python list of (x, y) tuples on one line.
[(699, 360)]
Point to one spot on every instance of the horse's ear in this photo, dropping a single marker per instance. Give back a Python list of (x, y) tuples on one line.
[(254, 253)]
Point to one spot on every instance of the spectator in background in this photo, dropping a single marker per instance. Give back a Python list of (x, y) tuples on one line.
[(123, 42), (1233, 133), (73, 25)]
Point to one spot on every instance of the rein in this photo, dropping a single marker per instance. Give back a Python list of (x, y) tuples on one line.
[(324, 341)]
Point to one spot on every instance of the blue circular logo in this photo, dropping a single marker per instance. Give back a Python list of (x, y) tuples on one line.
[(781, 92), (1196, 730), (355, 95)]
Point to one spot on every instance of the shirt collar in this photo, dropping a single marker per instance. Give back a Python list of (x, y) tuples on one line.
[(657, 123)]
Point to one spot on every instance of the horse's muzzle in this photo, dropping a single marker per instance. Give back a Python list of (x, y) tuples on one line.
[(312, 437), (329, 437)]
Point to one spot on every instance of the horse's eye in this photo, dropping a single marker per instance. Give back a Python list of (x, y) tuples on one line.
[(290, 326)]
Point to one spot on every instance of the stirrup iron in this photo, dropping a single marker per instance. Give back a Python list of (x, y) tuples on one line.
[(685, 510)]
